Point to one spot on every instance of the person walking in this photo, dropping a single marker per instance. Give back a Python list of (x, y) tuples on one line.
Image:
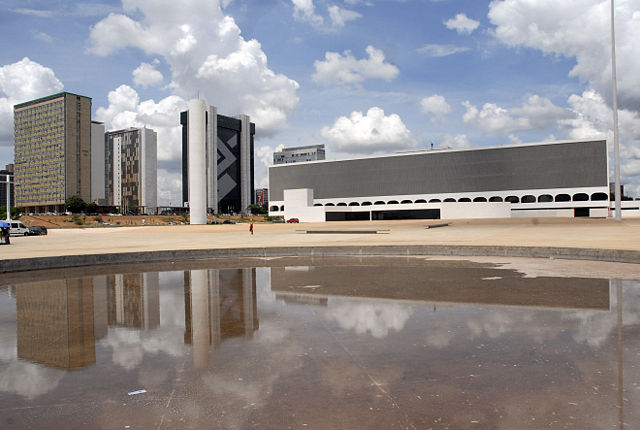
[(251, 227)]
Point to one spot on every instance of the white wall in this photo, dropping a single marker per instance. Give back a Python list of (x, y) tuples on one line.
[(197, 163), (461, 210), (149, 169), (298, 203)]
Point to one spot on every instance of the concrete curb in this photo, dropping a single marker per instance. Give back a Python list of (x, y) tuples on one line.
[(38, 263)]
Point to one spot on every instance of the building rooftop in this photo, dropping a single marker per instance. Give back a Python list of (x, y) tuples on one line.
[(50, 97)]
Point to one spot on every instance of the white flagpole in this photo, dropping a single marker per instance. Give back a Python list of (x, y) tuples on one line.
[(616, 148)]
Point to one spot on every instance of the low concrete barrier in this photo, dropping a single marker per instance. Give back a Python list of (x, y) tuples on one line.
[(37, 263)]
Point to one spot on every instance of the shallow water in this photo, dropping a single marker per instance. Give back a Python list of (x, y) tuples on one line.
[(366, 344)]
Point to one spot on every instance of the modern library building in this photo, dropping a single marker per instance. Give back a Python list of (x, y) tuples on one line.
[(557, 179)]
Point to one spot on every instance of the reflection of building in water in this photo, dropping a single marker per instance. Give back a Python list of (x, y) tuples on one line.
[(134, 300), (219, 304), (441, 282), (302, 299), (55, 322), (100, 307)]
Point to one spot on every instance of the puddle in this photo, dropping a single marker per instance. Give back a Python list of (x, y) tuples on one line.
[(325, 344)]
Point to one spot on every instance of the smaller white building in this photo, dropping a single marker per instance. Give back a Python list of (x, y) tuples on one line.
[(299, 154)]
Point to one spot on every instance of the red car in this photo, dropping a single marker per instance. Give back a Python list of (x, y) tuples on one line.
[(293, 220)]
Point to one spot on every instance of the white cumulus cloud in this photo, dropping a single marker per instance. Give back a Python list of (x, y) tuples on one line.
[(462, 24), (206, 54), (20, 82), (146, 75), (435, 106), (346, 69), (339, 16), (536, 113), (458, 141), (577, 29), (361, 134), (305, 10)]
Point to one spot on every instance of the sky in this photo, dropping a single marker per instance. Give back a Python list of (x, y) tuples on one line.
[(363, 77)]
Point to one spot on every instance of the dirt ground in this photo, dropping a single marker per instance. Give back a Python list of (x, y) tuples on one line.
[(97, 221)]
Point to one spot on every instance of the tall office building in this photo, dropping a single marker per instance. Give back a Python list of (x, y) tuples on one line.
[(299, 154), (52, 151), (228, 158), (6, 180), (130, 172)]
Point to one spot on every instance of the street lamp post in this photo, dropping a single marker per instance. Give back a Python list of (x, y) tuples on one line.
[(616, 148)]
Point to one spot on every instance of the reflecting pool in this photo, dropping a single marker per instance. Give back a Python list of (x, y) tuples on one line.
[(379, 343)]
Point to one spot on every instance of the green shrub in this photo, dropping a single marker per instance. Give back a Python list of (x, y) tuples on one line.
[(77, 220)]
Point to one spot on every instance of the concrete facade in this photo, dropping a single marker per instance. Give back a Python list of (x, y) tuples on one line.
[(7, 184), (546, 179), (98, 185), (130, 169), (52, 151), (299, 154), (228, 158)]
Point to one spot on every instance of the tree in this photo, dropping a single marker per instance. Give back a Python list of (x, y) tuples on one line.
[(75, 204), (15, 211), (91, 208), (257, 210)]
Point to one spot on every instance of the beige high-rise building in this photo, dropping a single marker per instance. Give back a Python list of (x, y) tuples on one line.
[(52, 151)]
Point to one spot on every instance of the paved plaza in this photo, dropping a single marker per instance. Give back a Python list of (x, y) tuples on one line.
[(605, 234)]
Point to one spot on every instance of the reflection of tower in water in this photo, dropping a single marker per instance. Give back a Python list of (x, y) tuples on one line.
[(134, 300), (219, 304), (55, 322)]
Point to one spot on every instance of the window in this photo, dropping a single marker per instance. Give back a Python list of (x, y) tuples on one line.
[(599, 196), (580, 197)]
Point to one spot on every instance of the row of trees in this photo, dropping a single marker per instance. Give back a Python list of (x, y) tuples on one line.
[(15, 211), (75, 204)]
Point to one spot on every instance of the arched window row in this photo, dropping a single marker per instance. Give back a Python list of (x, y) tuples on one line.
[(527, 198)]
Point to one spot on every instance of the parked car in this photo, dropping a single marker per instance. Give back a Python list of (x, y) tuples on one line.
[(228, 221), (37, 230), (17, 228), (278, 220), (293, 220)]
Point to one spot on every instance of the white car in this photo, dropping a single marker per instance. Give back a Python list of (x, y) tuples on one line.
[(17, 228)]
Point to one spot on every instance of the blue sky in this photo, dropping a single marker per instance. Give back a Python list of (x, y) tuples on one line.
[(361, 76)]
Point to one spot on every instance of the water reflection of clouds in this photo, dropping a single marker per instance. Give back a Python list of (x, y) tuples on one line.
[(378, 319), (28, 379), (129, 346), (16, 376), (246, 386)]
